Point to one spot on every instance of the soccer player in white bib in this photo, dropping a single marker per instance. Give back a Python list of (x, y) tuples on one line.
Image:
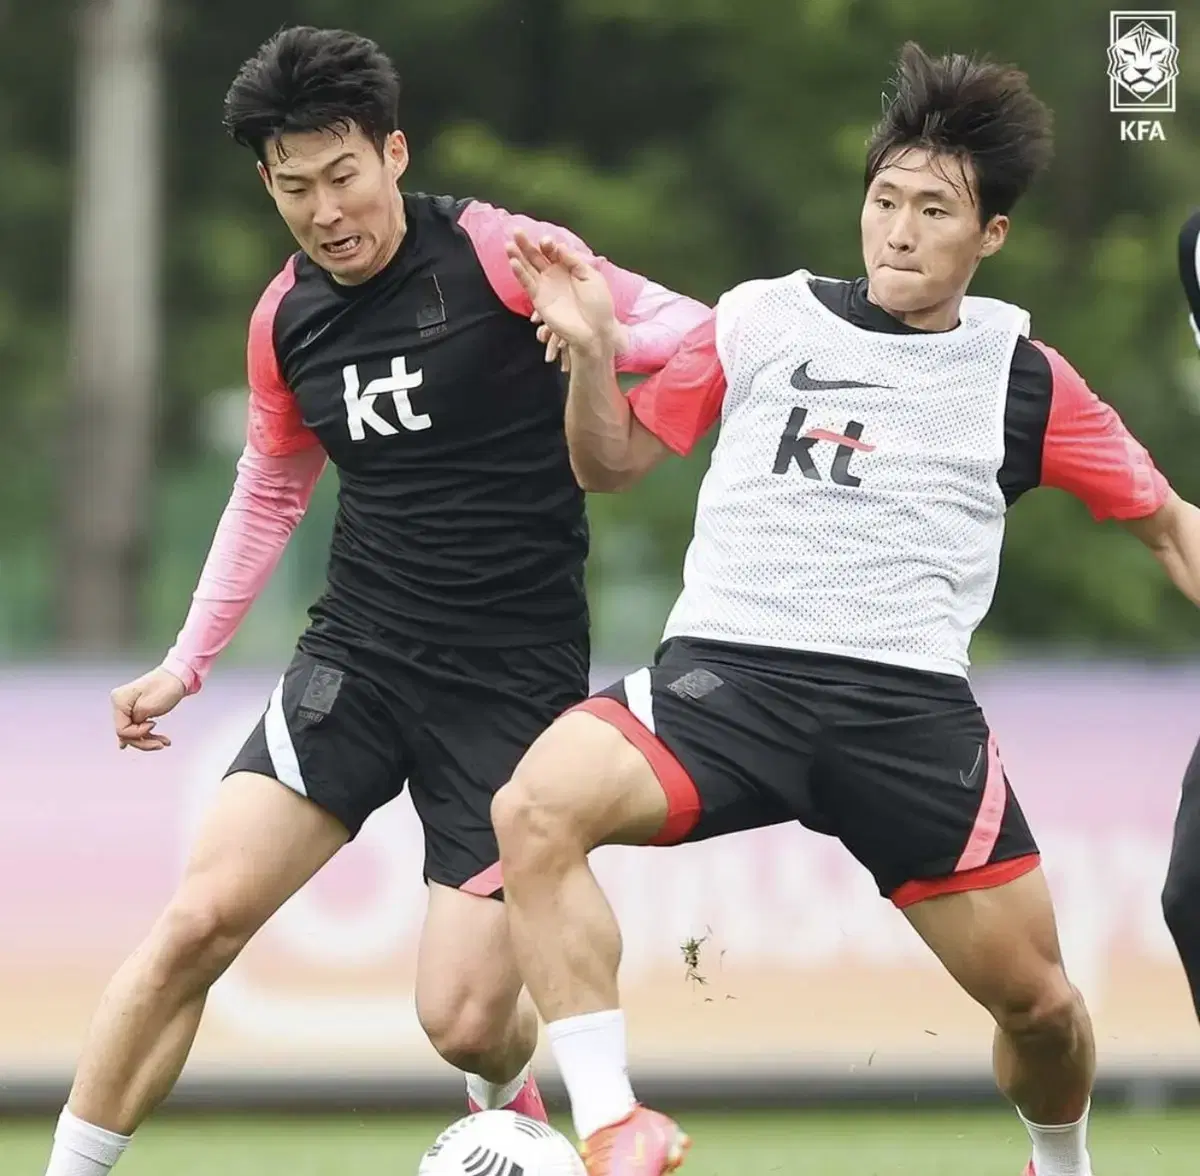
[(847, 542)]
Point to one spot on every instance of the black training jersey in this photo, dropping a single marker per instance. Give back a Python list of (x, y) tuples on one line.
[(459, 518)]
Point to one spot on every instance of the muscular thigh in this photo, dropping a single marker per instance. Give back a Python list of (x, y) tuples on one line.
[(999, 943), (258, 844), (730, 734), (913, 783)]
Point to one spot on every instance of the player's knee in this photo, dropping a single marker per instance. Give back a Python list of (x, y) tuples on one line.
[(529, 825), (533, 815), (1048, 1010), (196, 939), (465, 1032)]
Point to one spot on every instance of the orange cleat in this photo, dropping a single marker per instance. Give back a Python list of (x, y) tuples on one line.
[(528, 1102), (644, 1143)]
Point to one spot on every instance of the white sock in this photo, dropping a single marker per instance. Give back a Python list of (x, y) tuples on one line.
[(83, 1150), (1060, 1149), (590, 1052), (489, 1096)]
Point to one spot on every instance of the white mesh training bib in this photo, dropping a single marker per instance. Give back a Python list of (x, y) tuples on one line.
[(852, 505)]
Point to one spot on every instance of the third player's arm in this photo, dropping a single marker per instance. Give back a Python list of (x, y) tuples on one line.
[(1089, 452), (1172, 533)]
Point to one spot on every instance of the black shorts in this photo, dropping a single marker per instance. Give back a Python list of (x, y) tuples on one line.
[(348, 727), (898, 764)]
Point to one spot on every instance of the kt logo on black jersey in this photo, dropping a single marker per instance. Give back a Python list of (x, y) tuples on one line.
[(360, 402)]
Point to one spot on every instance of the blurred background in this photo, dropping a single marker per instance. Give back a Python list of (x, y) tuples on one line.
[(701, 143)]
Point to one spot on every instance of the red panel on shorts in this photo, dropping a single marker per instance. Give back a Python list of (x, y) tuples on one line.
[(485, 883), (980, 878), (683, 800)]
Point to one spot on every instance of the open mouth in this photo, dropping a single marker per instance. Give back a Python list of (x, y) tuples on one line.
[(343, 246)]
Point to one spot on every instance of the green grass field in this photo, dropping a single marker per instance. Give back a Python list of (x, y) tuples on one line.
[(803, 1143)]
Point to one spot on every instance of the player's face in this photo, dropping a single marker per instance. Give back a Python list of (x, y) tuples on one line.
[(340, 198), (922, 239)]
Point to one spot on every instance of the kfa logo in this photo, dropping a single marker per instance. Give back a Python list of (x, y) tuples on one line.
[(360, 404), (1135, 130), (794, 447), (1143, 65)]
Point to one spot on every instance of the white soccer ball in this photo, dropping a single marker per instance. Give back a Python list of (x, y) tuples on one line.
[(501, 1143)]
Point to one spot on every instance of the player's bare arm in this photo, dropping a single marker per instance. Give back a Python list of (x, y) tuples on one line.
[(611, 449), (1172, 533)]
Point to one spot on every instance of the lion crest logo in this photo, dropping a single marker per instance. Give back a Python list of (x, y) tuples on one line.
[(1143, 63)]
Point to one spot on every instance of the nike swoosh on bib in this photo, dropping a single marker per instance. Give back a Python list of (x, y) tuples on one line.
[(803, 382)]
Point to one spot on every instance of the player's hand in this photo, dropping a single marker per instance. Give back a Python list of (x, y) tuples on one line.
[(571, 298), (557, 350), (138, 703)]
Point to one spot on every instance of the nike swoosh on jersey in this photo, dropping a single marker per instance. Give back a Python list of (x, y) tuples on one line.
[(315, 334), (803, 382)]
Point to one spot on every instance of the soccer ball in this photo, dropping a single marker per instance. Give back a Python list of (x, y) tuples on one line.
[(501, 1143)]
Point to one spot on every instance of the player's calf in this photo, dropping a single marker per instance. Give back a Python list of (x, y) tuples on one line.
[(150, 1011), (469, 1000), (1044, 1050), (1001, 945), (468, 988), (472, 1035), (581, 785), (260, 843)]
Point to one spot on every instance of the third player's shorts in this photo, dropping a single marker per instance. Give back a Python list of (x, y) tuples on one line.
[(347, 727), (898, 764)]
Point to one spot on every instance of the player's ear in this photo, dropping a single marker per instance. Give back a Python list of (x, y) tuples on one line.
[(395, 155), (995, 232), (265, 174)]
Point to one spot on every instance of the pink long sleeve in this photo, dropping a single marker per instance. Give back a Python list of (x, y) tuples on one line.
[(276, 476), (657, 318), (269, 498)]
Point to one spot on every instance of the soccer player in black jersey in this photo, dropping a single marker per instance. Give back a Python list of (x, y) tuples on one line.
[(397, 345), (1181, 892)]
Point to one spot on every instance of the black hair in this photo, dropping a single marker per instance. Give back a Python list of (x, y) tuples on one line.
[(308, 79), (970, 109)]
